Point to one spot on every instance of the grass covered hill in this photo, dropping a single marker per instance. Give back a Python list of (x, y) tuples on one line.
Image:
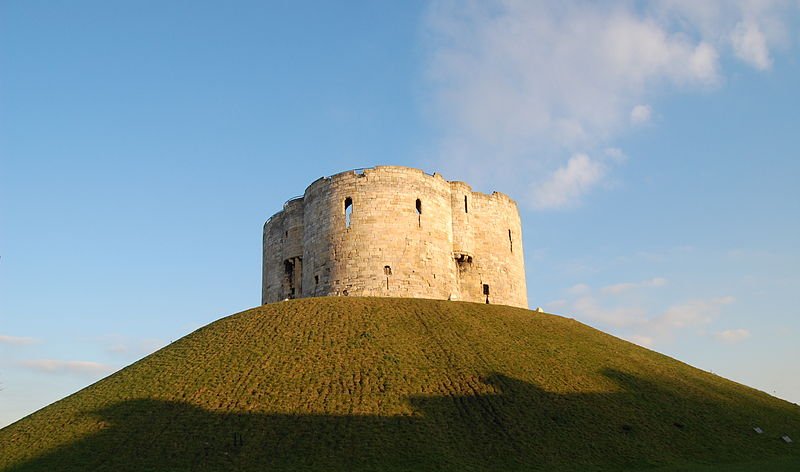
[(404, 384)]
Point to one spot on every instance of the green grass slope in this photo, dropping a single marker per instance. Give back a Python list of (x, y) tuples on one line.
[(404, 384)]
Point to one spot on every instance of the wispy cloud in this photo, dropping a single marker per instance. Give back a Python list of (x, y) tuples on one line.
[(61, 366), (579, 289), (17, 340), (626, 286), (614, 308), (123, 346), (544, 87), (641, 114), (644, 341), (591, 308), (661, 255), (750, 45), (569, 183), (691, 313), (732, 335)]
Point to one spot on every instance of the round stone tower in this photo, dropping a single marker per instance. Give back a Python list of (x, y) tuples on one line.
[(394, 231)]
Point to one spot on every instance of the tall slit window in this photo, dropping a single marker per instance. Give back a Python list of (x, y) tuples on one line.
[(419, 212), (510, 242), (348, 211), (387, 271), (466, 208)]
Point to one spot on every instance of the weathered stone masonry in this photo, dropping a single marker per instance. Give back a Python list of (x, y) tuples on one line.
[(395, 232)]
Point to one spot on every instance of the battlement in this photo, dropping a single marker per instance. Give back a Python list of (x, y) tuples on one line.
[(395, 231)]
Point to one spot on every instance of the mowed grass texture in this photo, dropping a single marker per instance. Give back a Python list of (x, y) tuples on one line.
[(404, 384)]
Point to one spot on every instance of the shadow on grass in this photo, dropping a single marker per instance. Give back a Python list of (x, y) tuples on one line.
[(521, 428)]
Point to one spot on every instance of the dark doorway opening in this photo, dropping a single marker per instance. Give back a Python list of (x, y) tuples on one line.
[(291, 274)]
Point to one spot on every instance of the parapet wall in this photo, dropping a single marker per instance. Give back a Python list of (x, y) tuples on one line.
[(397, 232)]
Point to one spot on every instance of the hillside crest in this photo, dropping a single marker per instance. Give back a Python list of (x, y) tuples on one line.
[(400, 384)]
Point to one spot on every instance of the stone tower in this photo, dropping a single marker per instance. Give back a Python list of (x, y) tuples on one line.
[(394, 231)]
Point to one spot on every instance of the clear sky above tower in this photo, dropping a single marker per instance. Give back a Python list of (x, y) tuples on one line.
[(652, 148)]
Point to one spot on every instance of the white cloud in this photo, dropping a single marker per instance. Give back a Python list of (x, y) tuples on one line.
[(579, 289), (619, 316), (568, 184), (626, 286), (118, 349), (732, 335), (615, 155), (750, 45), (661, 255), (556, 305), (644, 341), (691, 313), (17, 340), (60, 366), (134, 348), (641, 114), (613, 307), (539, 87), (750, 28), (129, 347)]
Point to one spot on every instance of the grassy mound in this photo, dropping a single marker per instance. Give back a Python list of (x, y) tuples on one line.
[(403, 384)]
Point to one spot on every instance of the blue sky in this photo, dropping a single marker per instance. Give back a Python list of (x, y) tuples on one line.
[(652, 148)]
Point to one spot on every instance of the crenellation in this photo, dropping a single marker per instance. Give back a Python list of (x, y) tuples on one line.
[(395, 231)]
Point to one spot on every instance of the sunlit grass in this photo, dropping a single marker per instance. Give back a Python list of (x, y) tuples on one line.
[(402, 384)]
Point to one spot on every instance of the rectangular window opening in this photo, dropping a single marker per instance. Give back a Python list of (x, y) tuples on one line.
[(348, 211), (289, 274)]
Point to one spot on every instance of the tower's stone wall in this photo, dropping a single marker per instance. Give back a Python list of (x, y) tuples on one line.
[(395, 231)]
